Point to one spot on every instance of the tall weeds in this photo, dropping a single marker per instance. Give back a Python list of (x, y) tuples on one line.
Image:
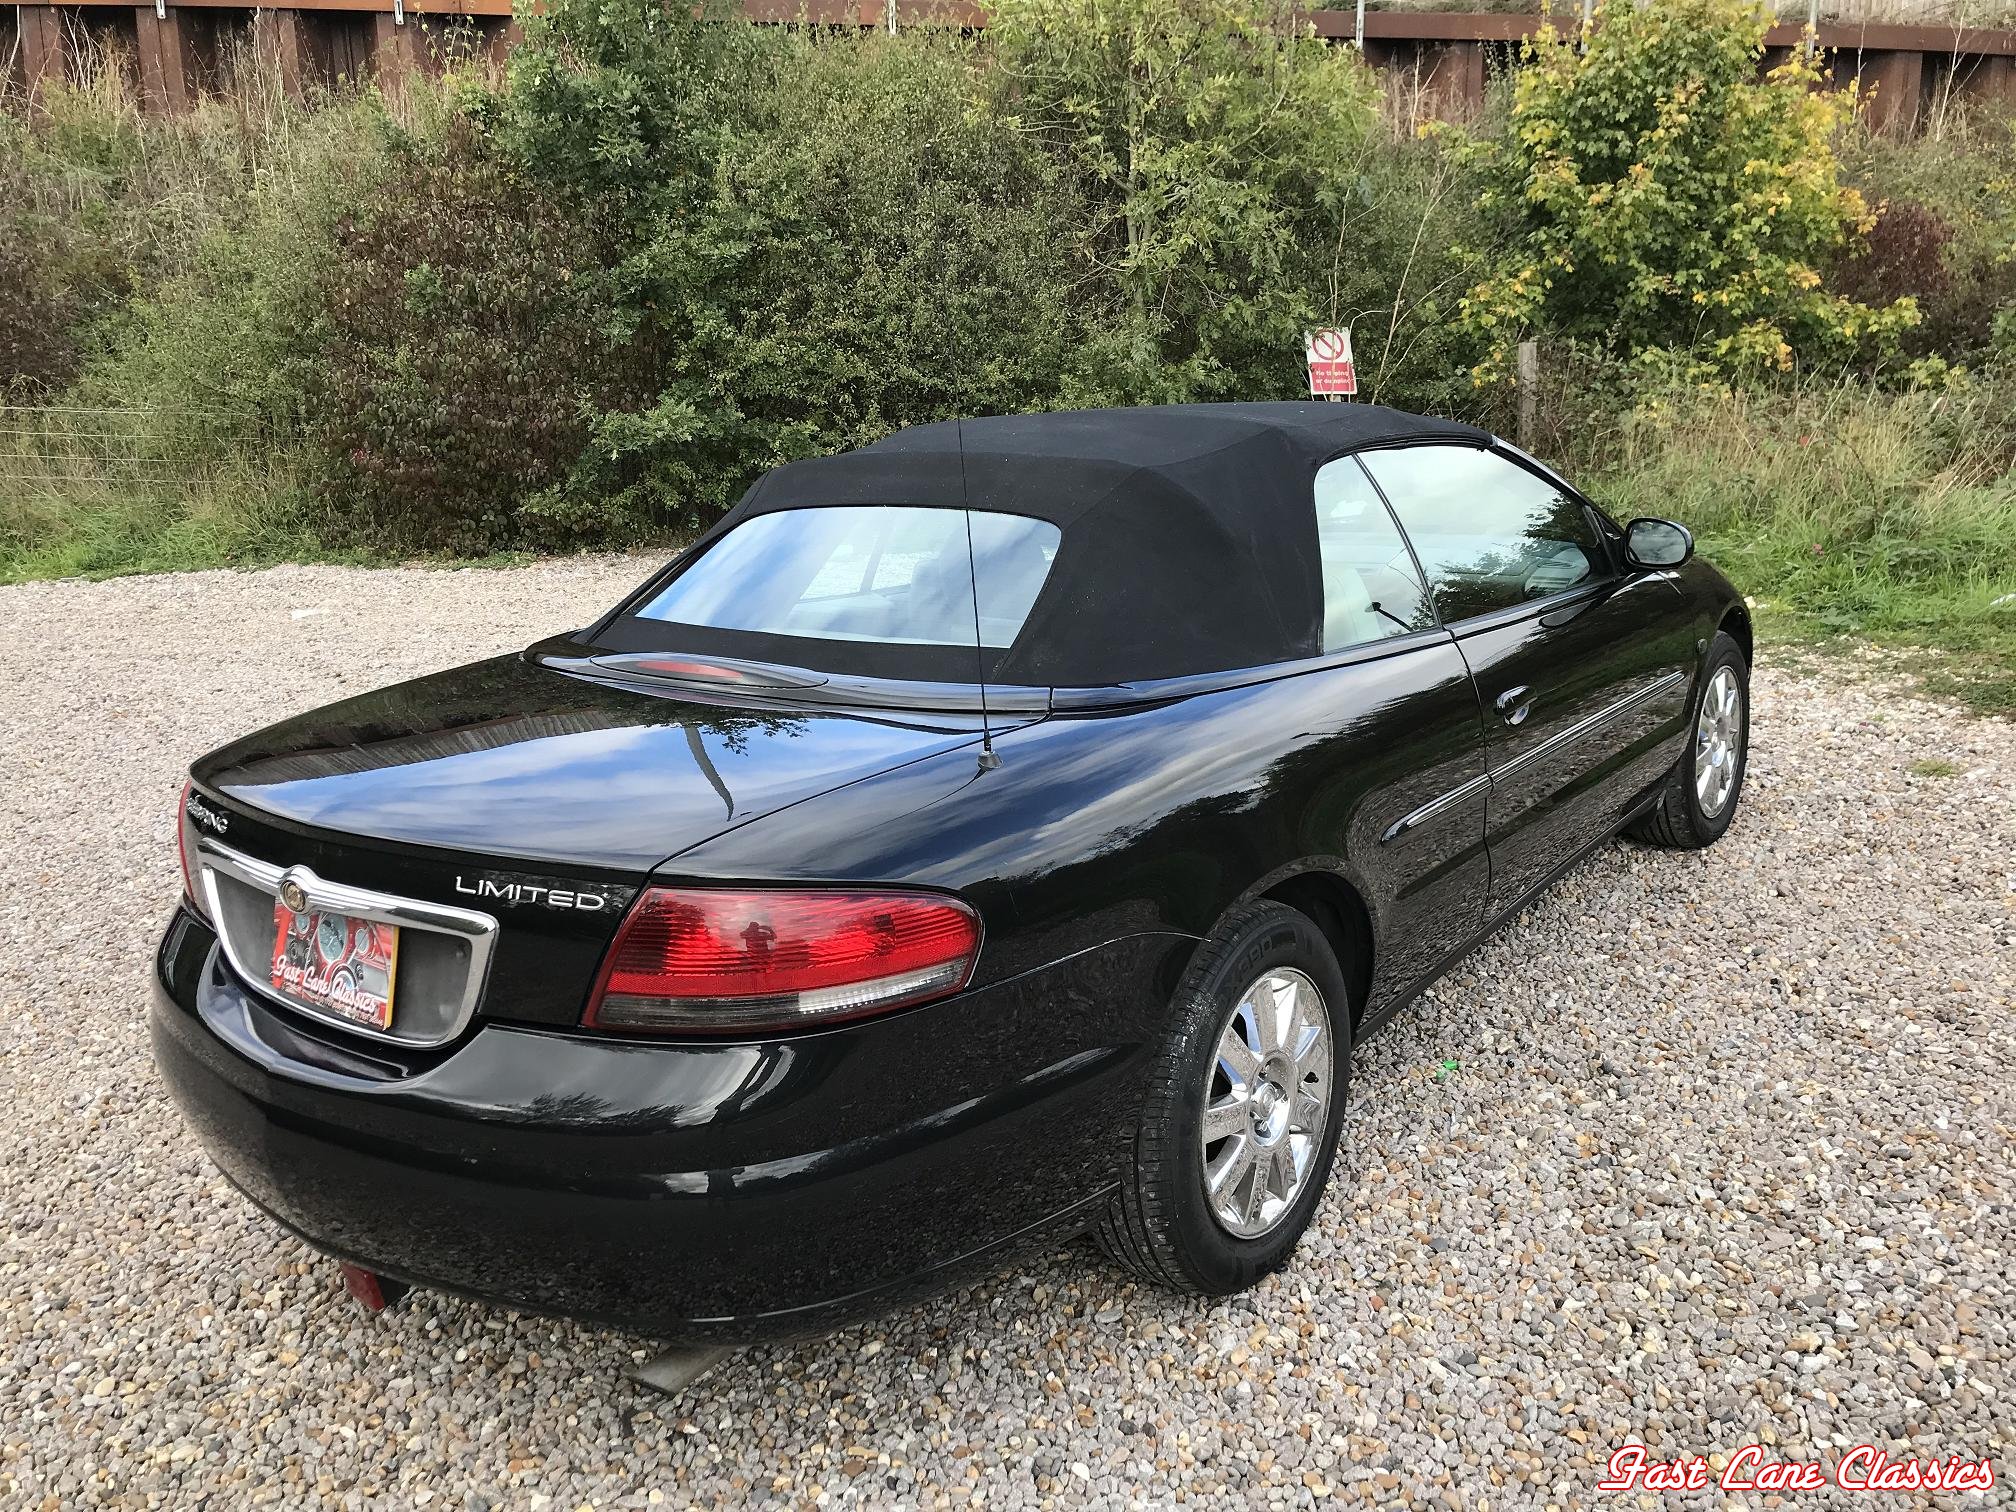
[(1846, 508), (585, 303)]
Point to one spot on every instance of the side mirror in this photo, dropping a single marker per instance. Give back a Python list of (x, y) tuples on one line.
[(1656, 545)]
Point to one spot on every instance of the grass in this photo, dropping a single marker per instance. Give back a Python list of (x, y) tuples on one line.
[(88, 491), (1969, 649), (1845, 511), (1934, 766)]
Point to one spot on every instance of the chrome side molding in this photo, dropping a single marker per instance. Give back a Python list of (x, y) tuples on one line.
[(1553, 743)]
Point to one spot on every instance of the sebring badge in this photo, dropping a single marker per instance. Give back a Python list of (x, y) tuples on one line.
[(210, 818)]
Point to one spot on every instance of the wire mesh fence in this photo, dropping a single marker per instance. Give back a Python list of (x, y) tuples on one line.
[(53, 451)]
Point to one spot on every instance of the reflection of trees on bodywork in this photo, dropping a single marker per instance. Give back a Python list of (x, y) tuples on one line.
[(465, 710), (1552, 552), (1184, 835)]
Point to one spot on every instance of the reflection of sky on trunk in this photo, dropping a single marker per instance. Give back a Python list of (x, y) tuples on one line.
[(629, 795)]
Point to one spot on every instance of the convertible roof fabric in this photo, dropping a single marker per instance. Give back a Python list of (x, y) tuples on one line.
[(1188, 537)]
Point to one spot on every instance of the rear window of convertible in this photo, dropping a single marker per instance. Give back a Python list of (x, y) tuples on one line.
[(888, 574)]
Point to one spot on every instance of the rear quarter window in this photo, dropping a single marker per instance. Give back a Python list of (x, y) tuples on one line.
[(892, 574)]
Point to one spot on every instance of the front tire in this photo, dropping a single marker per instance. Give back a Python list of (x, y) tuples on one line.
[(1699, 800), (1244, 1105)]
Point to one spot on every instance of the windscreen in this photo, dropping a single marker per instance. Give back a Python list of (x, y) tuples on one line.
[(885, 574)]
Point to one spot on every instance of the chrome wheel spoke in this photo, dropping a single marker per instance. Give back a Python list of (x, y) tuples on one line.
[(1309, 1051), (1278, 1016), (1312, 1099), (1224, 1176), (1256, 1192), (1226, 1118), (1236, 1056), (1287, 1178)]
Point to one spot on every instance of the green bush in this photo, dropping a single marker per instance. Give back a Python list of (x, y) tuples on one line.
[(463, 347), (1396, 269), (1947, 238), (221, 349), (170, 255), (630, 103), (38, 348), (872, 253), (1211, 140), (1651, 193)]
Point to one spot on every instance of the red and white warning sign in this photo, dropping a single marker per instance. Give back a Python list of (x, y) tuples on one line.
[(1330, 368)]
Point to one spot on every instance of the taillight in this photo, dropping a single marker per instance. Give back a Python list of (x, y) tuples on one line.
[(185, 846), (705, 961)]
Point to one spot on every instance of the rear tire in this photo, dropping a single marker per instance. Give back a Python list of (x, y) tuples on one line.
[(1699, 800), (1268, 978)]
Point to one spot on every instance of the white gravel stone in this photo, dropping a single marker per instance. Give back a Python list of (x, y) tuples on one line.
[(1723, 1155)]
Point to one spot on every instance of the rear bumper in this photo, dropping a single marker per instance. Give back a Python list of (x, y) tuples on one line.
[(698, 1193)]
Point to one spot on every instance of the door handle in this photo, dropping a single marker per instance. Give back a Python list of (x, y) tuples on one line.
[(1513, 705)]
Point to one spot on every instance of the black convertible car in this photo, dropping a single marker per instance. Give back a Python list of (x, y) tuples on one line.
[(1005, 830)]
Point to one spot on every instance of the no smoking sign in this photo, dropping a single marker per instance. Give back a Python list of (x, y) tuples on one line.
[(1331, 373)]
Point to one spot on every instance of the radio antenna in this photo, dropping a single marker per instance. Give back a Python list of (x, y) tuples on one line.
[(989, 760)]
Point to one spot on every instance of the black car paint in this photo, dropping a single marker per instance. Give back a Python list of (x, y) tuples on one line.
[(506, 758), (1582, 659), (783, 1185), (707, 1191)]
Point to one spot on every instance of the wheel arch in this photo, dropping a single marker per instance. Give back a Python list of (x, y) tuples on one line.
[(1330, 900), (1736, 622)]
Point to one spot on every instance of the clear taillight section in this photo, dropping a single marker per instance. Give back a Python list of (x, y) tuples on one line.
[(712, 961), (185, 846)]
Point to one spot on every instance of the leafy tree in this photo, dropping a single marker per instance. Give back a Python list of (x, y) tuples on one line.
[(1653, 192), (1948, 232), (630, 102), (1210, 138), (461, 340), (814, 242), (871, 253)]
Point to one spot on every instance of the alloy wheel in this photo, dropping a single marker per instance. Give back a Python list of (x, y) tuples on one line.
[(1718, 736), (1266, 1102)]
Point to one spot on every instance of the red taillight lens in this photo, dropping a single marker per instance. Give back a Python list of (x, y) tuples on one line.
[(185, 847), (714, 962)]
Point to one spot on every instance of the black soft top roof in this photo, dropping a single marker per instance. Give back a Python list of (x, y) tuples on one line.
[(1188, 538)]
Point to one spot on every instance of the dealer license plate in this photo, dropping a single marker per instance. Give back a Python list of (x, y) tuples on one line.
[(335, 964)]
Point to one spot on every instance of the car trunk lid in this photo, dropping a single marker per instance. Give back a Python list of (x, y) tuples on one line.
[(526, 763), (539, 797)]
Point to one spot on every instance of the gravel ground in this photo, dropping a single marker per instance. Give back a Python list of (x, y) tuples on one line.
[(1703, 1149)]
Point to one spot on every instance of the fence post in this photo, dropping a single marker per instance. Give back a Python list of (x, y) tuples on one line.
[(163, 50), (45, 49), (1529, 392), (392, 49)]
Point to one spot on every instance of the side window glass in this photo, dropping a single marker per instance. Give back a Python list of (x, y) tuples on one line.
[(1370, 587), (1489, 534)]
